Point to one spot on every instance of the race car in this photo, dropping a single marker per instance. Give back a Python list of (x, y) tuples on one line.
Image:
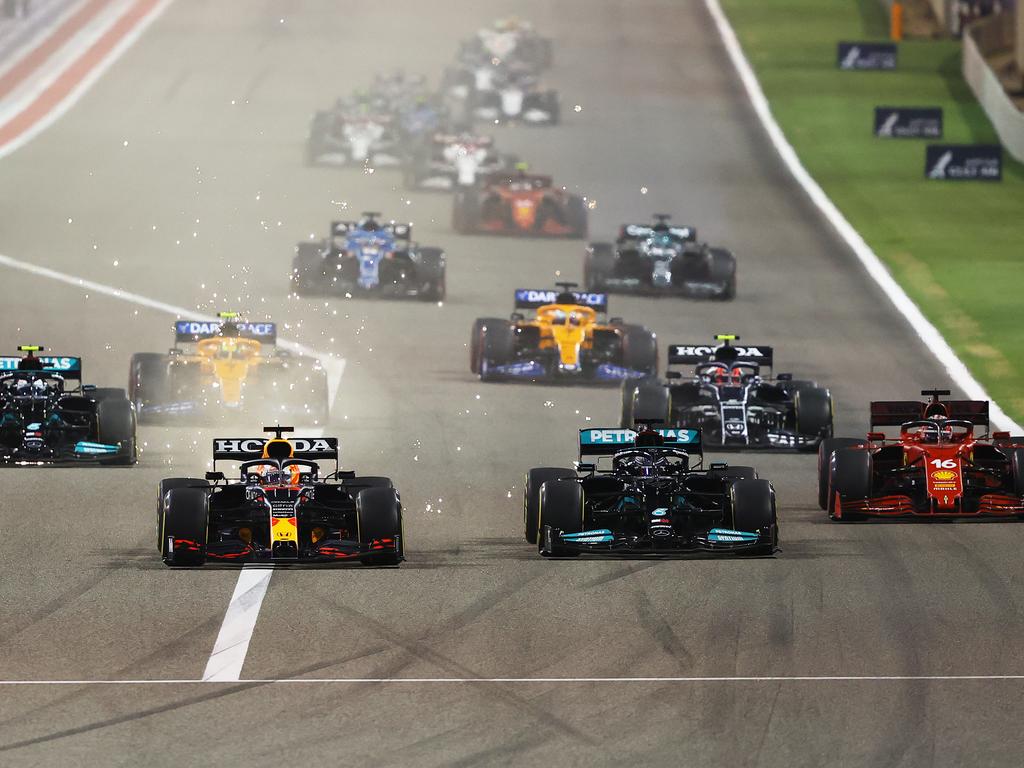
[(519, 203), (450, 161), (509, 40), (369, 258), (935, 467), (515, 95), (223, 369), (563, 342), (647, 492), (352, 134), (660, 258), (47, 416), (733, 399), (281, 507)]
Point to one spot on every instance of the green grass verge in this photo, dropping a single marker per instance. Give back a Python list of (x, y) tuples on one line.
[(956, 247)]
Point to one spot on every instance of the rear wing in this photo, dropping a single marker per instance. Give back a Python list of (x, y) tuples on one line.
[(531, 298), (893, 413), (681, 354), (643, 231), (67, 367), (399, 231), (249, 448), (190, 331), (606, 442)]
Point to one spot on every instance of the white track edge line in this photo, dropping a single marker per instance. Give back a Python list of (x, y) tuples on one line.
[(534, 680), (925, 330)]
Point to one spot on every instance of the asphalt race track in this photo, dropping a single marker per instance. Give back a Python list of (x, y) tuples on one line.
[(184, 166)]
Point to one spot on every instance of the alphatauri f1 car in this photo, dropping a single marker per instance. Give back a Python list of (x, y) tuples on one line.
[(563, 342), (934, 467), (660, 259), (217, 369), (47, 416), (733, 399), (369, 258), (279, 508), (647, 492), (519, 203)]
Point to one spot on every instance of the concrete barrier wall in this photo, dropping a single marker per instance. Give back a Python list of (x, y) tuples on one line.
[(1006, 118)]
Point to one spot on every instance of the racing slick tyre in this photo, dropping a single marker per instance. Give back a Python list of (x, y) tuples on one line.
[(652, 401), (735, 473), (561, 507), (185, 523), (576, 217), (166, 485), (115, 419), (598, 265), (850, 478), (465, 211), (1016, 457), (476, 339), (826, 448), (379, 516), (723, 271), (307, 270), (431, 274), (813, 409), (497, 347), (629, 387), (147, 383), (753, 509), (640, 349), (535, 478)]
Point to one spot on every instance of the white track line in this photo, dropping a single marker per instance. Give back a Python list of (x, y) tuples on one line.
[(927, 332), (534, 680), (232, 645)]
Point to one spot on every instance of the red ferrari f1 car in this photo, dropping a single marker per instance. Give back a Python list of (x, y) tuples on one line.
[(935, 467), (519, 204)]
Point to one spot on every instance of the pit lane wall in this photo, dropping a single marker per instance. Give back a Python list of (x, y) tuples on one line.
[(989, 35)]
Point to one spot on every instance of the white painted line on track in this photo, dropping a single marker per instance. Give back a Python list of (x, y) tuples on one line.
[(535, 680), (232, 645), (927, 332)]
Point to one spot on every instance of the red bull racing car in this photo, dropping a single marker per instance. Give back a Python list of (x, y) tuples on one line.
[(280, 507), (934, 467)]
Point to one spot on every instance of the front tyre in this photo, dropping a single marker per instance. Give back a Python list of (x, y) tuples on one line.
[(185, 527), (379, 517), (535, 479), (753, 510), (561, 508)]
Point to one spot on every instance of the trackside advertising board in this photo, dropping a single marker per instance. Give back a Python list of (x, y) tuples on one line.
[(866, 56), (908, 122), (964, 162)]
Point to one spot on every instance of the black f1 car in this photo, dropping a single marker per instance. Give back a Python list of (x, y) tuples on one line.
[(279, 508), (222, 368), (651, 496), (369, 258), (661, 259), (47, 416), (564, 342), (732, 400)]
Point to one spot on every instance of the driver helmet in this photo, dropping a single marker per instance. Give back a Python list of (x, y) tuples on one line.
[(230, 331), (574, 318), (942, 433), (30, 363), (648, 438)]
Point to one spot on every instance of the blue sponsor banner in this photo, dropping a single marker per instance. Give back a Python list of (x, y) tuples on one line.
[(908, 122), (964, 162), (866, 56), (531, 298), (188, 330)]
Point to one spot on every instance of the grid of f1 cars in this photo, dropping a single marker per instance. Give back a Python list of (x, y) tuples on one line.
[(639, 487)]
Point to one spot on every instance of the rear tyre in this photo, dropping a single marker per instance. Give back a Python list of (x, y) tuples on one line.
[(640, 349), (148, 383), (850, 480), (379, 514), (723, 272), (753, 509), (561, 507), (536, 478), (652, 401), (598, 265), (432, 274), (115, 417), (476, 339), (629, 388), (185, 525), (825, 450), (813, 412)]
